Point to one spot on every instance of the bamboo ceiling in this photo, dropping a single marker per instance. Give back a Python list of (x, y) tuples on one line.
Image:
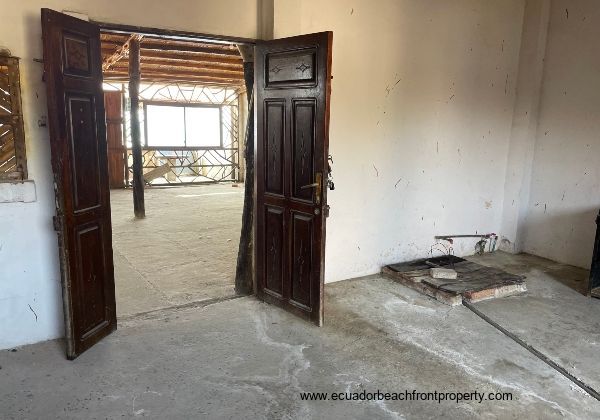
[(165, 60)]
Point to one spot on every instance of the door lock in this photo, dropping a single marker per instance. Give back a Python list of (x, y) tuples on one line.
[(317, 185)]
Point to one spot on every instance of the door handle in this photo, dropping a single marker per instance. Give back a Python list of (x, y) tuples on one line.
[(309, 186), (317, 186)]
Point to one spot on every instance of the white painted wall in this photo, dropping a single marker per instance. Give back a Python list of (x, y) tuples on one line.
[(565, 186), (421, 116), (29, 272), (524, 124)]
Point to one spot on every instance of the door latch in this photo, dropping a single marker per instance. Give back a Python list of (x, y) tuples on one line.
[(317, 185), (57, 222), (330, 183)]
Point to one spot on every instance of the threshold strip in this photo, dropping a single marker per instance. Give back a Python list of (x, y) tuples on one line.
[(591, 391), (195, 304)]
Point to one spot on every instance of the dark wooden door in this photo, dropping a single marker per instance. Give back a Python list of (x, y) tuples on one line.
[(113, 104), (292, 82), (73, 76)]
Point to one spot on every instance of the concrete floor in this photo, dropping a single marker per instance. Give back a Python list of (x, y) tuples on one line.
[(185, 250), (245, 359), (551, 316)]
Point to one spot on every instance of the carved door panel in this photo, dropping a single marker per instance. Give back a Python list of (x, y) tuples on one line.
[(73, 75), (292, 137), (113, 103)]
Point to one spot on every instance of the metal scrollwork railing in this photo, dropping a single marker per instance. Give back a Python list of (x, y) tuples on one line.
[(186, 165)]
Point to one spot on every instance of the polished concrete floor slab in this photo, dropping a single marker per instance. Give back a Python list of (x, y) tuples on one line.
[(184, 251), (245, 359), (551, 316)]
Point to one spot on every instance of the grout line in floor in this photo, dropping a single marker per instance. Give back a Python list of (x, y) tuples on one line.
[(588, 389)]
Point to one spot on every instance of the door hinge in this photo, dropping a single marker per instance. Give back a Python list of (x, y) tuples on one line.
[(57, 222)]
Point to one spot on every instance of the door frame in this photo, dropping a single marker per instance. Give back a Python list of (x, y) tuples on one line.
[(105, 27), (172, 34)]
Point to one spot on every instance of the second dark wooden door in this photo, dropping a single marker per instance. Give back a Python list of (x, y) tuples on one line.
[(113, 104), (292, 135), (73, 75)]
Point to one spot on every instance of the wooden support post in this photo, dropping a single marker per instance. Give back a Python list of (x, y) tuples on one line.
[(244, 272), (136, 146)]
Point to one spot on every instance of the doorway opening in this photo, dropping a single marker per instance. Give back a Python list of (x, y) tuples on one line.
[(192, 112), (292, 113)]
